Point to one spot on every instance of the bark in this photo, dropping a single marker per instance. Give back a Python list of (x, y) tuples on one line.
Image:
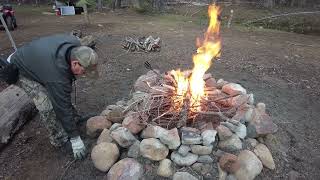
[(99, 5), (269, 3), (86, 16), (15, 109)]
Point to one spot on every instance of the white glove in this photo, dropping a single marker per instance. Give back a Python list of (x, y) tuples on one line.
[(78, 148)]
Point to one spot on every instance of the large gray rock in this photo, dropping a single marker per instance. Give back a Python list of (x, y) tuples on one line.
[(201, 150), (183, 150), (153, 149), (115, 126), (233, 89), (187, 160), (183, 176), (236, 127), (126, 169), (205, 159), (250, 143), (250, 166), (232, 144), (123, 137), (165, 168), (265, 156), (190, 136), (134, 150), (104, 155), (95, 125), (171, 138), (105, 137), (261, 123), (208, 137)]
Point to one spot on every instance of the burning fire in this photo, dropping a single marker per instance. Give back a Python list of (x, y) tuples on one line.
[(193, 87)]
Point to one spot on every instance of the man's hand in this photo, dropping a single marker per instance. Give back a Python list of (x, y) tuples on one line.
[(78, 148)]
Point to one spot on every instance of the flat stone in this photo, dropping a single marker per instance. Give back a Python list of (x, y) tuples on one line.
[(165, 168), (229, 163), (202, 168), (183, 150), (187, 160), (237, 127), (261, 123), (205, 159), (132, 122), (152, 131), (170, 138), (153, 149), (224, 133), (126, 169), (208, 137), (95, 125), (234, 89), (265, 156), (123, 137), (183, 176), (232, 144), (113, 113), (134, 150), (104, 155), (201, 150), (190, 136), (105, 137), (115, 126), (250, 166)]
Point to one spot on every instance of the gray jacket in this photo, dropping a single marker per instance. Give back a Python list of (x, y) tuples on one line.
[(46, 61)]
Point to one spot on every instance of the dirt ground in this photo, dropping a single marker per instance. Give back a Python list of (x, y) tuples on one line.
[(281, 69)]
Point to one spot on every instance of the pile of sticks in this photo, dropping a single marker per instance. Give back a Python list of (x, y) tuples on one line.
[(142, 44), (165, 108)]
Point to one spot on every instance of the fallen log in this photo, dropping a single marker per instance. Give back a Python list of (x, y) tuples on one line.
[(16, 108)]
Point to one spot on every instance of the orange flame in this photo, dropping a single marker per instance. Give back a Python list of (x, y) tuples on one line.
[(208, 49)]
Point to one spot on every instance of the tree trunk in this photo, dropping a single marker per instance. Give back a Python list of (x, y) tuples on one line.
[(15, 109), (99, 5), (86, 16), (118, 4), (268, 3)]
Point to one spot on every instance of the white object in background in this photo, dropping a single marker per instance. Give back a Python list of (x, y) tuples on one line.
[(67, 10)]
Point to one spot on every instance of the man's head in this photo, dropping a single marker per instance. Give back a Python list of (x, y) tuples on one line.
[(83, 60)]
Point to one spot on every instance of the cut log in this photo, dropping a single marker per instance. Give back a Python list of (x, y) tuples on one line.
[(16, 108)]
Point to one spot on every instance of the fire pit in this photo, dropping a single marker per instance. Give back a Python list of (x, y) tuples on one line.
[(184, 119)]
